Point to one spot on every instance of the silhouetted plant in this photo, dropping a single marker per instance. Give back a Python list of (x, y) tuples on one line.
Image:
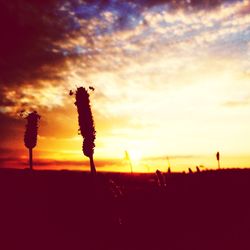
[(86, 124), (169, 166), (30, 135), (167, 175), (127, 157), (160, 178), (218, 159)]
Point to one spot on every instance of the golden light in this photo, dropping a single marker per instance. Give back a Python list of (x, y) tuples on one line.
[(135, 155)]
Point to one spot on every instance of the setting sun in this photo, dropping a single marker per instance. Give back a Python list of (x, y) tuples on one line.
[(135, 156)]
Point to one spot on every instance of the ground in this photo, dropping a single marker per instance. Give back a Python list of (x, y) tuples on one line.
[(72, 210)]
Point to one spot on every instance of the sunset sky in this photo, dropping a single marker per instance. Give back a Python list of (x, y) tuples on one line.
[(171, 79)]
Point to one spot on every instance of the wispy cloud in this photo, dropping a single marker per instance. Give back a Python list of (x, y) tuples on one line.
[(238, 103)]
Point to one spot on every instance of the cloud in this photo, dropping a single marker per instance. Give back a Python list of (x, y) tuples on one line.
[(172, 4), (38, 40), (185, 3), (71, 42), (50, 45), (28, 31), (10, 128), (238, 103), (173, 157), (40, 164)]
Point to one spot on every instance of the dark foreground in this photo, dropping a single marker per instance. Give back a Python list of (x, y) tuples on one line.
[(67, 210)]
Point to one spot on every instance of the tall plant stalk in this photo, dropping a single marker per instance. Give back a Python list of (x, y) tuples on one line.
[(86, 124), (127, 157), (30, 135), (218, 159)]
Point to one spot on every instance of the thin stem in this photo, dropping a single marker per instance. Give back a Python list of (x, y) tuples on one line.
[(92, 165), (30, 159), (131, 166)]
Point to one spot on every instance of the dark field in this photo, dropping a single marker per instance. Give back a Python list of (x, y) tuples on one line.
[(69, 210)]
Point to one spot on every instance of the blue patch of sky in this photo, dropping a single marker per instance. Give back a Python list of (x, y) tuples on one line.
[(87, 11), (81, 50), (127, 13), (128, 16), (238, 38), (65, 52), (161, 8), (228, 2), (235, 44)]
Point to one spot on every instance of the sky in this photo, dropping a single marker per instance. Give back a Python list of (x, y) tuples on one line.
[(171, 79)]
